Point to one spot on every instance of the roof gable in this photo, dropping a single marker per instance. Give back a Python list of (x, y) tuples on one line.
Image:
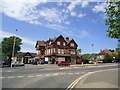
[(58, 38), (72, 41)]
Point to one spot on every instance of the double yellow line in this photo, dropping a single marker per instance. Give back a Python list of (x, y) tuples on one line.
[(72, 85)]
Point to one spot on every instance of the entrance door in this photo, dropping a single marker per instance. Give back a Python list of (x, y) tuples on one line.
[(26, 60)]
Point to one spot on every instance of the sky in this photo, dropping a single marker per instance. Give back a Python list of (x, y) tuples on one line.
[(81, 20)]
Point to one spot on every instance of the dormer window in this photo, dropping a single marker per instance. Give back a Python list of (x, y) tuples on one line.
[(49, 43), (72, 44), (58, 42)]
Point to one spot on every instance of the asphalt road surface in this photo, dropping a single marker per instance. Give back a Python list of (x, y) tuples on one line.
[(60, 77)]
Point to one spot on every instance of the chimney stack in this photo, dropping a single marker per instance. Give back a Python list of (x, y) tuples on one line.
[(67, 38)]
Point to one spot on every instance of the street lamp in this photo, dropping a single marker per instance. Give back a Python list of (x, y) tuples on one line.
[(13, 49), (93, 51)]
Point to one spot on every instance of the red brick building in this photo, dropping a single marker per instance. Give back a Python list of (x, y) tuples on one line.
[(57, 49)]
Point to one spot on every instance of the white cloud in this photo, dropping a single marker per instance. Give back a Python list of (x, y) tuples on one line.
[(72, 5), (67, 22), (100, 7), (83, 34), (73, 14), (81, 15), (84, 3), (24, 39), (51, 15)]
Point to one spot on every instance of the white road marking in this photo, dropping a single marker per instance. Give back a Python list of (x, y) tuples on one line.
[(39, 75), (61, 68), (20, 76), (77, 73), (30, 76), (47, 74), (70, 73), (2, 77), (11, 77), (56, 74), (77, 67)]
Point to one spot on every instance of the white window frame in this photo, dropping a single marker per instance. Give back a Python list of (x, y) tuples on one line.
[(72, 44), (72, 52), (53, 50), (58, 43), (64, 44), (58, 51), (62, 51), (49, 43)]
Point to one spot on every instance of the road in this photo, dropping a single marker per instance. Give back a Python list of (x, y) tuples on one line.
[(41, 77)]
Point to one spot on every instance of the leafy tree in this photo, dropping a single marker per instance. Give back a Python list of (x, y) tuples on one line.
[(113, 19), (87, 56), (108, 57), (79, 51), (7, 46)]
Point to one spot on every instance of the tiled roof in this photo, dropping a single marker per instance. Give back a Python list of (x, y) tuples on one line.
[(105, 52), (41, 43), (21, 54)]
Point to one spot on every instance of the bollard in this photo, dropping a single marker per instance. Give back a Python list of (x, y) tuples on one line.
[(95, 63)]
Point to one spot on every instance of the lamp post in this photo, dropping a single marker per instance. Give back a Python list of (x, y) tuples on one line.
[(13, 52), (93, 51)]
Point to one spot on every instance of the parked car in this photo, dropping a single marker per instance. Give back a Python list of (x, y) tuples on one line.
[(86, 61), (34, 62), (78, 62), (100, 61), (5, 64), (63, 63), (17, 64), (91, 62)]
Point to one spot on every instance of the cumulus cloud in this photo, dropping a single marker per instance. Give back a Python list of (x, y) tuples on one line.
[(83, 34), (84, 3), (81, 15), (100, 7)]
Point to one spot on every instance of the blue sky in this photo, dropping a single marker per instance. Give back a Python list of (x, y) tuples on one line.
[(82, 20)]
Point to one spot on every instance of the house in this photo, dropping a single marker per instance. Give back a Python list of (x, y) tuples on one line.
[(23, 57), (102, 53), (57, 49)]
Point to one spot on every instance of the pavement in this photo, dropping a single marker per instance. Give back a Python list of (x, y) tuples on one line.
[(102, 79)]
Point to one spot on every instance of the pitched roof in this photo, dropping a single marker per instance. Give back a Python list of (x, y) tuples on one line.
[(41, 43), (105, 51), (52, 40), (21, 54)]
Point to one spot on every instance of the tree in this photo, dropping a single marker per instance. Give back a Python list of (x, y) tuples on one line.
[(79, 51), (113, 19), (108, 57), (7, 46)]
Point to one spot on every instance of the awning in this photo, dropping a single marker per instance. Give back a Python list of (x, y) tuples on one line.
[(31, 59)]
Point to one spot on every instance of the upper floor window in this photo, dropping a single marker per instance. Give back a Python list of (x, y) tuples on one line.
[(58, 51), (62, 51), (53, 50), (58, 42), (72, 52), (49, 43), (64, 44), (72, 44), (49, 51)]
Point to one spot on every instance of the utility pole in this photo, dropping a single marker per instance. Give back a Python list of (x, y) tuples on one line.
[(93, 51), (13, 53)]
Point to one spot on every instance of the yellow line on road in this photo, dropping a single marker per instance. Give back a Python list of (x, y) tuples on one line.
[(72, 85)]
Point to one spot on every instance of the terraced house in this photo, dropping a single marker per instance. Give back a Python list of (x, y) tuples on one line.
[(57, 49)]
